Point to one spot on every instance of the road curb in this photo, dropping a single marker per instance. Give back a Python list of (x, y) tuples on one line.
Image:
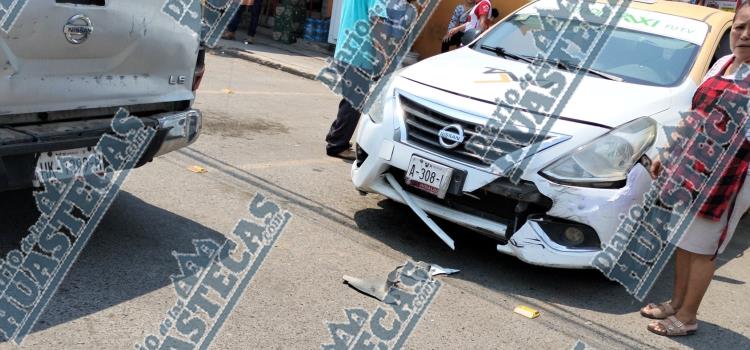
[(244, 55)]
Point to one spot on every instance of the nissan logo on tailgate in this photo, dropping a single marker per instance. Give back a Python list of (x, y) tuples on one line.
[(78, 29), (451, 136)]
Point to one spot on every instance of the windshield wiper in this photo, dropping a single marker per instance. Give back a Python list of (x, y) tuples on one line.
[(600, 74), (571, 67), (504, 53), (559, 63)]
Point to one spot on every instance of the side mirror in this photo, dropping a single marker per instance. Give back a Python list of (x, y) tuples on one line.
[(469, 36)]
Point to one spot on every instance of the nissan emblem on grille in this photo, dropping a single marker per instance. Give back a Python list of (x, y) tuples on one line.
[(451, 136), (78, 29)]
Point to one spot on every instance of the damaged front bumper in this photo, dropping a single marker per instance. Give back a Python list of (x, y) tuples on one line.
[(532, 221), (532, 245), (20, 145)]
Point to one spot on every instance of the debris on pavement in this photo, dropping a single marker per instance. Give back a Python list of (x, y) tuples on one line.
[(373, 287), (228, 91), (198, 169), (378, 287), (526, 311), (439, 270)]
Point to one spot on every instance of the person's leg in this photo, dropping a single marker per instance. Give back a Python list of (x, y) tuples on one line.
[(681, 277), (254, 18), (235, 22), (342, 129), (702, 270)]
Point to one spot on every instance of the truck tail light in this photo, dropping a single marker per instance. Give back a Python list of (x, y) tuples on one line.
[(200, 69)]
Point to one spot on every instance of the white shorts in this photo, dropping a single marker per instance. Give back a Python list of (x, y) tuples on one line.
[(703, 235)]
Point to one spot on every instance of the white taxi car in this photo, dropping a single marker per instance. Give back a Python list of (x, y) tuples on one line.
[(571, 195)]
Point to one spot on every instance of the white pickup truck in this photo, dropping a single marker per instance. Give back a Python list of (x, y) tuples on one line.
[(66, 67)]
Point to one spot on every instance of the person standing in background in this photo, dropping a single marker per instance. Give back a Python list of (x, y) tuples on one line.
[(479, 18), (340, 134), (460, 16), (254, 6)]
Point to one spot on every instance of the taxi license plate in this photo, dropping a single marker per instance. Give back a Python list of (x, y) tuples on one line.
[(428, 176), (50, 162)]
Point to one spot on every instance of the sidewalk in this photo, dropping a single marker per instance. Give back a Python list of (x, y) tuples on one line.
[(296, 59)]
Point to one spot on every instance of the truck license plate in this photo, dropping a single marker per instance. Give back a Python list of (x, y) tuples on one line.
[(50, 162), (428, 176)]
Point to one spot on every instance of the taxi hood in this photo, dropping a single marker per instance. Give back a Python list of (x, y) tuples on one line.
[(487, 78)]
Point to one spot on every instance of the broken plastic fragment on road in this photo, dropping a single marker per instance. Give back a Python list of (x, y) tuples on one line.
[(439, 270), (198, 169), (526, 311), (409, 291), (421, 213), (373, 287), (378, 289)]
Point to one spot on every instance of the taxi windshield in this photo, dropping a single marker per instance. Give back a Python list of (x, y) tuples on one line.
[(632, 56)]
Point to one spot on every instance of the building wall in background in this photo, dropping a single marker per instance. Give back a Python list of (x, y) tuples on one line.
[(428, 43)]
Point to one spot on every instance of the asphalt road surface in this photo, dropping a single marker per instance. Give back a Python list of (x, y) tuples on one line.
[(264, 132)]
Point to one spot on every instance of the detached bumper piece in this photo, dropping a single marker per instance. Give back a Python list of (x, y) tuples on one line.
[(420, 212), (21, 145)]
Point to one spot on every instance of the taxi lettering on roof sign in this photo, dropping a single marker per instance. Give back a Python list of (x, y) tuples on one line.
[(640, 20), (645, 21)]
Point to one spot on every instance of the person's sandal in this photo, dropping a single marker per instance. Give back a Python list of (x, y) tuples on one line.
[(228, 36), (658, 312), (672, 327)]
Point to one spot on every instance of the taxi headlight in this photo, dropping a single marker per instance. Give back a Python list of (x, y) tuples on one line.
[(385, 101), (606, 160)]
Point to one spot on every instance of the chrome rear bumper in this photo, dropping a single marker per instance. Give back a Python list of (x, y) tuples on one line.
[(183, 128)]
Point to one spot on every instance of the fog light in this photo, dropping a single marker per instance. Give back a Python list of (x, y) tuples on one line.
[(574, 236), (566, 233)]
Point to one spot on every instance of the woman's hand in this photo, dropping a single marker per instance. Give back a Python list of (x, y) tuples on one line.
[(655, 168), (447, 37)]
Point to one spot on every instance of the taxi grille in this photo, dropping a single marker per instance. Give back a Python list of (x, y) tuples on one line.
[(424, 124)]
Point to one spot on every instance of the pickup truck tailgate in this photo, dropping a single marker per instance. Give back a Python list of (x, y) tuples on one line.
[(131, 53)]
